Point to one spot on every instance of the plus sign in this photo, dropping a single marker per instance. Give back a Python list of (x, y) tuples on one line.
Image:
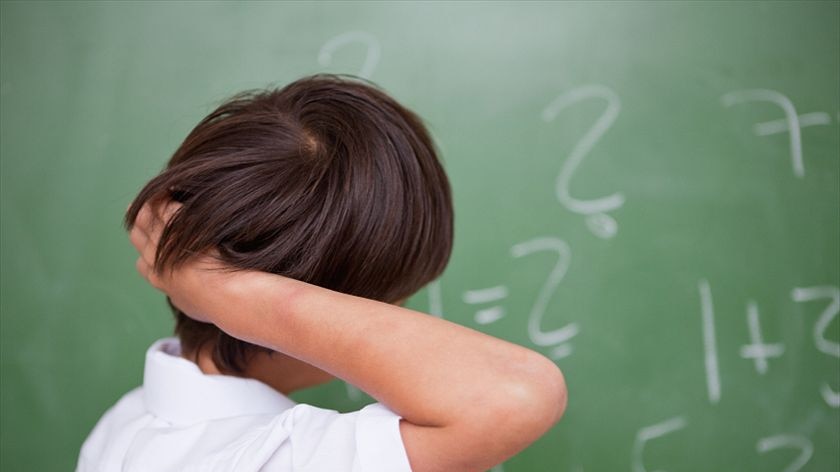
[(758, 351)]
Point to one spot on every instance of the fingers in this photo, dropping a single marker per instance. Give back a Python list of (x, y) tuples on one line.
[(169, 210), (160, 218), (145, 246), (138, 238), (145, 234), (145, 270), (147, 220), (147, 252), (151, 221)]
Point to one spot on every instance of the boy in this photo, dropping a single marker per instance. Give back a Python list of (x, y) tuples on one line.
[(285, 231)]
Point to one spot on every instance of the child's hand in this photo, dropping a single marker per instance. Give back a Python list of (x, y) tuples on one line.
[(190, 286)]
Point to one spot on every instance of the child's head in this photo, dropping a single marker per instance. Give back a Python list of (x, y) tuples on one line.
[(327, 180)]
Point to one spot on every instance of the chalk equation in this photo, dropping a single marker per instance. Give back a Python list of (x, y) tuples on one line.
[(759, 351), (489, 299)]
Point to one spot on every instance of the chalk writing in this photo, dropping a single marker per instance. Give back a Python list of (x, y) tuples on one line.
[(371, 57), (792, 122), (707, 310), (493, 294), (832, 348), (353, 393), (780, 126), (435, 299), (806, 449), (598, 221), (650, 433), (757, 349), (535, 317)]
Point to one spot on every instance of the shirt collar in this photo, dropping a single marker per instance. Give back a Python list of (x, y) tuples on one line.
[(176, 390)]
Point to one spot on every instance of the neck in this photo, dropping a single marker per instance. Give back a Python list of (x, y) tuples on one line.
[(279, 371)]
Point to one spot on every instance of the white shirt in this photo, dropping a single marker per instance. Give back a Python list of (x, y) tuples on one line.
[(184, 420)]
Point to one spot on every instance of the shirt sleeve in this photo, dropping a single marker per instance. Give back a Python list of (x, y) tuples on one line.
[(378, 440), (367, 440)]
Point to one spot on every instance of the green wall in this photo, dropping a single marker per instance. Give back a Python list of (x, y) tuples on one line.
[(650, 190)]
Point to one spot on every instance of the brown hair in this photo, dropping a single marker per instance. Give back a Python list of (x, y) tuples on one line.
[(328, 180)]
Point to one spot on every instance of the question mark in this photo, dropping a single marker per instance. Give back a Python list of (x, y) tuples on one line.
[(371, 58), (602, 225)]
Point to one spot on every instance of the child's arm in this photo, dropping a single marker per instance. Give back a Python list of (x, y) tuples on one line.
[(468, 400)]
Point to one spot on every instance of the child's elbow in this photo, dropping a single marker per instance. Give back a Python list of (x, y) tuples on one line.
[(536, 400), (550, 395), (559, 394), (521, 408)]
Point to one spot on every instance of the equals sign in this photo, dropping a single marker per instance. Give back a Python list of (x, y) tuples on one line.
[(487, 295)]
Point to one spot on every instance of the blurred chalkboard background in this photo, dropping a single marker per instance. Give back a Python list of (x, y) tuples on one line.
[(648, 193)]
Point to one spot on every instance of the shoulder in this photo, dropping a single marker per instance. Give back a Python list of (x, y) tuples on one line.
[(127, 409), (119, 422), (367, 440)]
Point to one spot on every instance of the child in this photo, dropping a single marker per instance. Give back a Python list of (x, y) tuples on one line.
[(286, 231)]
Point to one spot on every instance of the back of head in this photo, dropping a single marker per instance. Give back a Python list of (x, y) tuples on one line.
[(327, 180)]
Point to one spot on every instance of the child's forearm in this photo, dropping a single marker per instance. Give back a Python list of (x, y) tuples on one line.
[(430, 371)]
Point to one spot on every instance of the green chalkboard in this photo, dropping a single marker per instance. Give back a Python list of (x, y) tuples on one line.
[(649, 193)]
